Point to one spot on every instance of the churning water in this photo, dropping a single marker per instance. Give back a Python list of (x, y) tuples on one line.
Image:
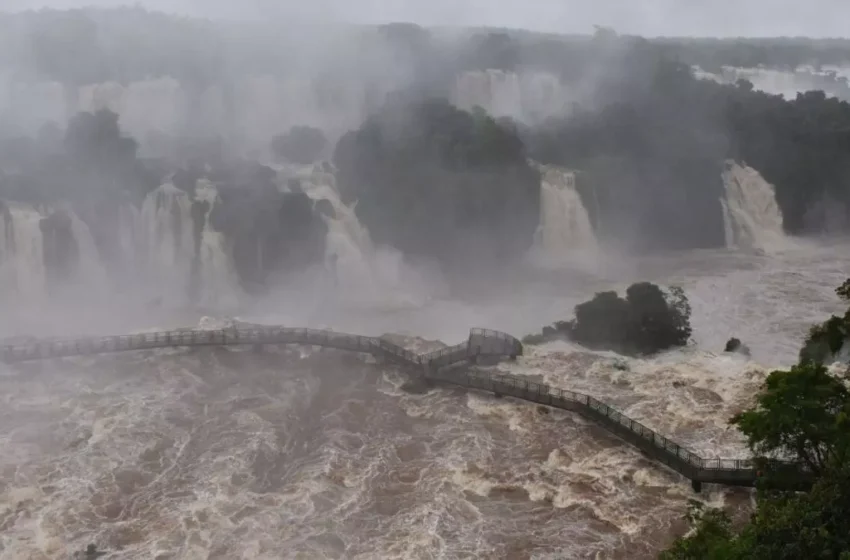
[(228, 454)]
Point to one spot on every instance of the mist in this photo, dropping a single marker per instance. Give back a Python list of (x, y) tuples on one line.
[(220, 164), (652, 18), (405, 171)]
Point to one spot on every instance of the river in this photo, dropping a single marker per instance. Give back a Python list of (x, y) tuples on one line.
[(220, 453)]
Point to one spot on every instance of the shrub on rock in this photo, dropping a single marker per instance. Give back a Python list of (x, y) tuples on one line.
[(646, 321)]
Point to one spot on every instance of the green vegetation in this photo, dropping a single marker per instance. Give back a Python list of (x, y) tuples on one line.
[(646, 321), (650, 139), (826, 341), (441, 183), (654, 145), (802, 414)]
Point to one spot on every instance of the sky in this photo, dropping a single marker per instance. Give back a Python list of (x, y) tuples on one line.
[(720, 18)]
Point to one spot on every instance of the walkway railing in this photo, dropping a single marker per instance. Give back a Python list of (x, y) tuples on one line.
[(433, 365), (738, 472)]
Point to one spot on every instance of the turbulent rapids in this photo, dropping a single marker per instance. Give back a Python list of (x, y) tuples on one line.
[(193, 183), (215, 450), (482, 344)]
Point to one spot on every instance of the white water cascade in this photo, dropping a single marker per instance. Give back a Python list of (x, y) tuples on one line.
[(169, 255), (751, 216), (528, 96), (23, 269), (565, 232), (216, 269), (91, 274), (366, 273), (23, 275)]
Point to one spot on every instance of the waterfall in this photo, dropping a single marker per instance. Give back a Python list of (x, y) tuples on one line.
[(529, 96), (91, 273), (167, 244), (216, 270), (565, 231), (357, 267), (751, 215), (348, 247), (185, 259), (47, 253), (129, 227), (23, 275)]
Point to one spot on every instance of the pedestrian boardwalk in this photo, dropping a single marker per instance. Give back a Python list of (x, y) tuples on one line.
[(440, 365)]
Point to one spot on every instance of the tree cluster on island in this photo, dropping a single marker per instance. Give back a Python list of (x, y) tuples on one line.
[(646, 321), (802, 414)]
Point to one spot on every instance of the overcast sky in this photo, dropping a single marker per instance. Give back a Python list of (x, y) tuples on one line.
[(813, 18)]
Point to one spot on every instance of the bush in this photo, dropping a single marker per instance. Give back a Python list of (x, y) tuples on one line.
[(825, 341), (645, 322)]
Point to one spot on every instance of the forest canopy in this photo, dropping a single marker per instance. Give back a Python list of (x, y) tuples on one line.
[(439, 182)]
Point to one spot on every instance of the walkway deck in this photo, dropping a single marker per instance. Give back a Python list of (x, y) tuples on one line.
[(436, 366)]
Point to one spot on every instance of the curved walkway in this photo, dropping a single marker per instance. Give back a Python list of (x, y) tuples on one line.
[(482, 343)]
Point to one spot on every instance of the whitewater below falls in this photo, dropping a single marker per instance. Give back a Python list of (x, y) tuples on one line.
[(219, 453)]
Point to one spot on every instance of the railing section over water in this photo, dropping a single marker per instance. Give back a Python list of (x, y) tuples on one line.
[(434, 365)]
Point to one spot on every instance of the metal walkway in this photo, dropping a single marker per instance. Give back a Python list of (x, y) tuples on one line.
[(440, 365)]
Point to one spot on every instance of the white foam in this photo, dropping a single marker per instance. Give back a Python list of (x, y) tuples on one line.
[(751, 215), (565, 233)]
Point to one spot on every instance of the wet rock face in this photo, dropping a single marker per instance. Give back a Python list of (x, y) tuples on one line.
[(61, 252)]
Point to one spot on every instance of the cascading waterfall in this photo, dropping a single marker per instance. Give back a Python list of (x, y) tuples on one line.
[(129, 239), (359, 268), (167, 244), (23, 274), (215, 268), (565, 232), (348, 246), (180, 268), (74, 263), (91, 274), (827, 78), (528, 96), (751, 216)]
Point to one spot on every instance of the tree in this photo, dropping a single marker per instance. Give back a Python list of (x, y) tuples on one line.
[(441, 183), (826, 341), (96, 139), (802, 414), (786, 526), (302, 145), (645, 322), (711, 537)]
